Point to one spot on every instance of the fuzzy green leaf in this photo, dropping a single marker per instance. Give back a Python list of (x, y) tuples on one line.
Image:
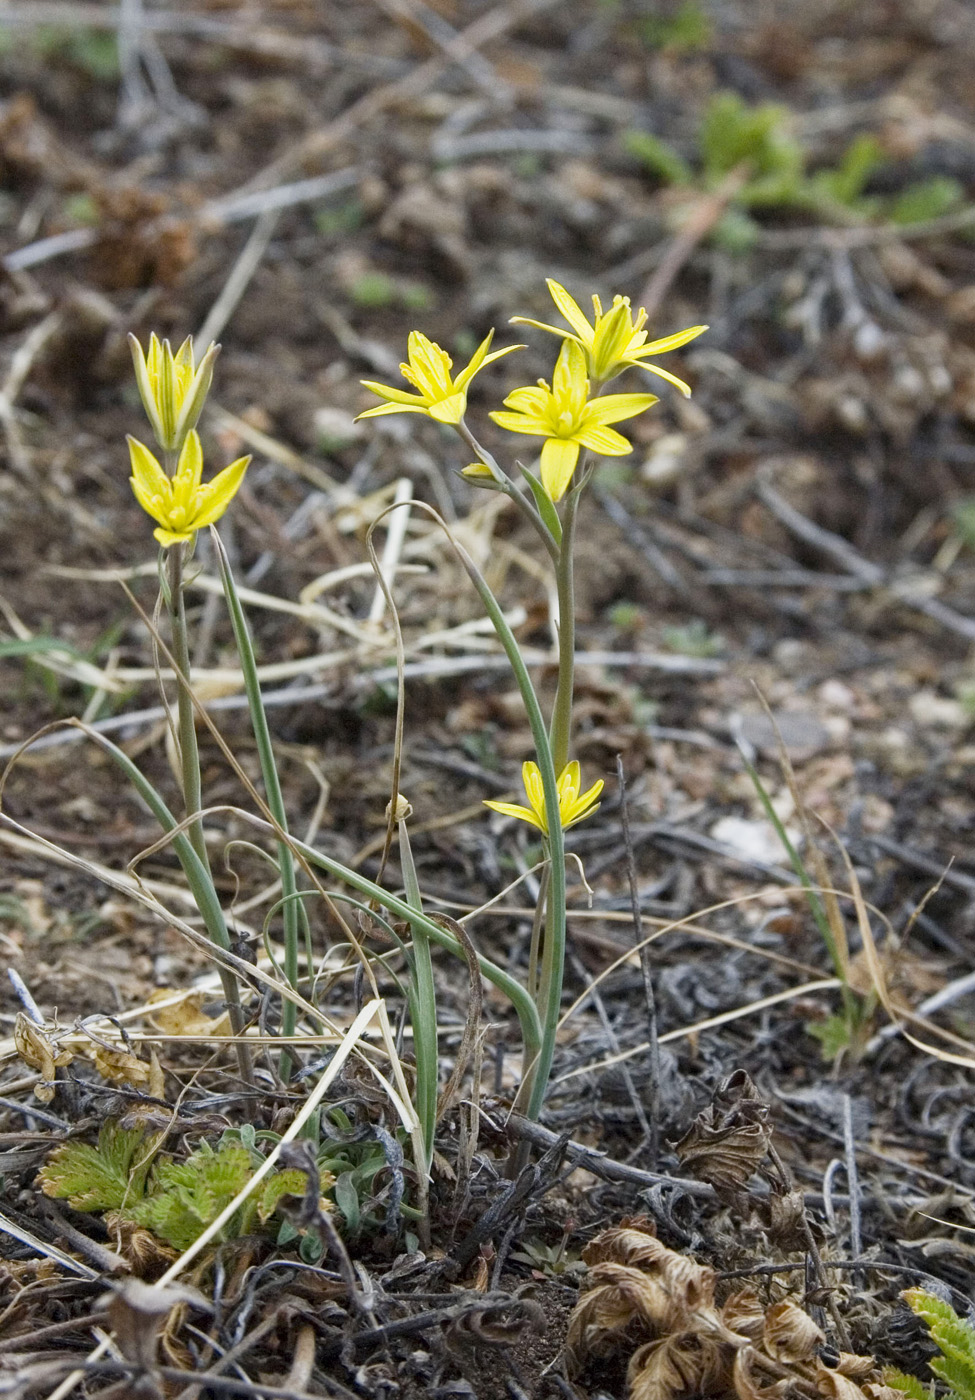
[(955, 1339), (105, 1177)]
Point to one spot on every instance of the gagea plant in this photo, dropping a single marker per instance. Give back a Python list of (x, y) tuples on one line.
[(573, 416), (574, 419)]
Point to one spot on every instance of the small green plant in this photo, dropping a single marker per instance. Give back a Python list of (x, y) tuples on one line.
[(686, 31), (845, 1031), (694, 638), (332, 220), (758, 143), (175, 1200), (550, 1260), (94, 51), (954, 1337)]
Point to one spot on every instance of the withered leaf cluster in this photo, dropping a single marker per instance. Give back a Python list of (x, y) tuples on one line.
[(729, 1140), (656, 1309)]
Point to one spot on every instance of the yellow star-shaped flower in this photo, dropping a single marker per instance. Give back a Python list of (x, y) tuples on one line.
[(573, 805), (440, 395), (182, 504), (566, 416), (614, 341), (173, 388)]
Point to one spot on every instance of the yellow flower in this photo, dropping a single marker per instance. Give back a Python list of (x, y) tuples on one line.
[(182, 504), (428, 370), (172, 388), (569, 419), (615, 341), (573, 806)]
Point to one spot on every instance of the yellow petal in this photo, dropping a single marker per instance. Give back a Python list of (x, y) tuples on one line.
[(170, 537), (449, 410), (606, 442), (392, 408), (559, 457), (612, 408), (570, 310), (214, 498), (147, 471), (510, 809), (673, 342), (664, 374)]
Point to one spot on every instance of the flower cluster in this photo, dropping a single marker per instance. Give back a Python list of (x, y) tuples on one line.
[(173, 389), (570, 413)]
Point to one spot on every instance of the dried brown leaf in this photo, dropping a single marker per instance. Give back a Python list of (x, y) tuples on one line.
[(187, 1017), (634, 1242), (790, 1334), (685, 1364), (122, 1067), (744, 1313), (856, 1367), (689, 1284), (835, 1386), (621, 1304), (39, 1052), (751, 1380), (729, 1140)]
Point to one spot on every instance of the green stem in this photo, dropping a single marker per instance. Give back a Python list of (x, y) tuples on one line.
[(523, 1004), (200, 880), (189, 754), (531, 1093), (508, 487), (291, 913), (423, 1008), (565, 581)]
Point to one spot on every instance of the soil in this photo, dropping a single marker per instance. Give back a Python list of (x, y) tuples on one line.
[(781, 574)]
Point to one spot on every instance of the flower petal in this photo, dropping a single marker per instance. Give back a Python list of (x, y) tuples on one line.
[(214, 498), (663, 373), (393, 395), (450, 409), (147, 471), (168, 537), (392, 408), (539, 325), (571, 311), (524, 423), (613, 408), (607, 442), (673, 342), (559, 457), (510, 809), (189, 468), (474, 363)]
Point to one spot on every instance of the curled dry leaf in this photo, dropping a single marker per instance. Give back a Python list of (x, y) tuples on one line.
[(786, 1217), (729, 1140), (122, 1067), (187, 1016), (685, 1364), (39, 1052), (140, 1247), (790, 1334), (621, 1303), (856, 1367), (634, 1242), (834, 1386), (753, 1379), (744, 1313)]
